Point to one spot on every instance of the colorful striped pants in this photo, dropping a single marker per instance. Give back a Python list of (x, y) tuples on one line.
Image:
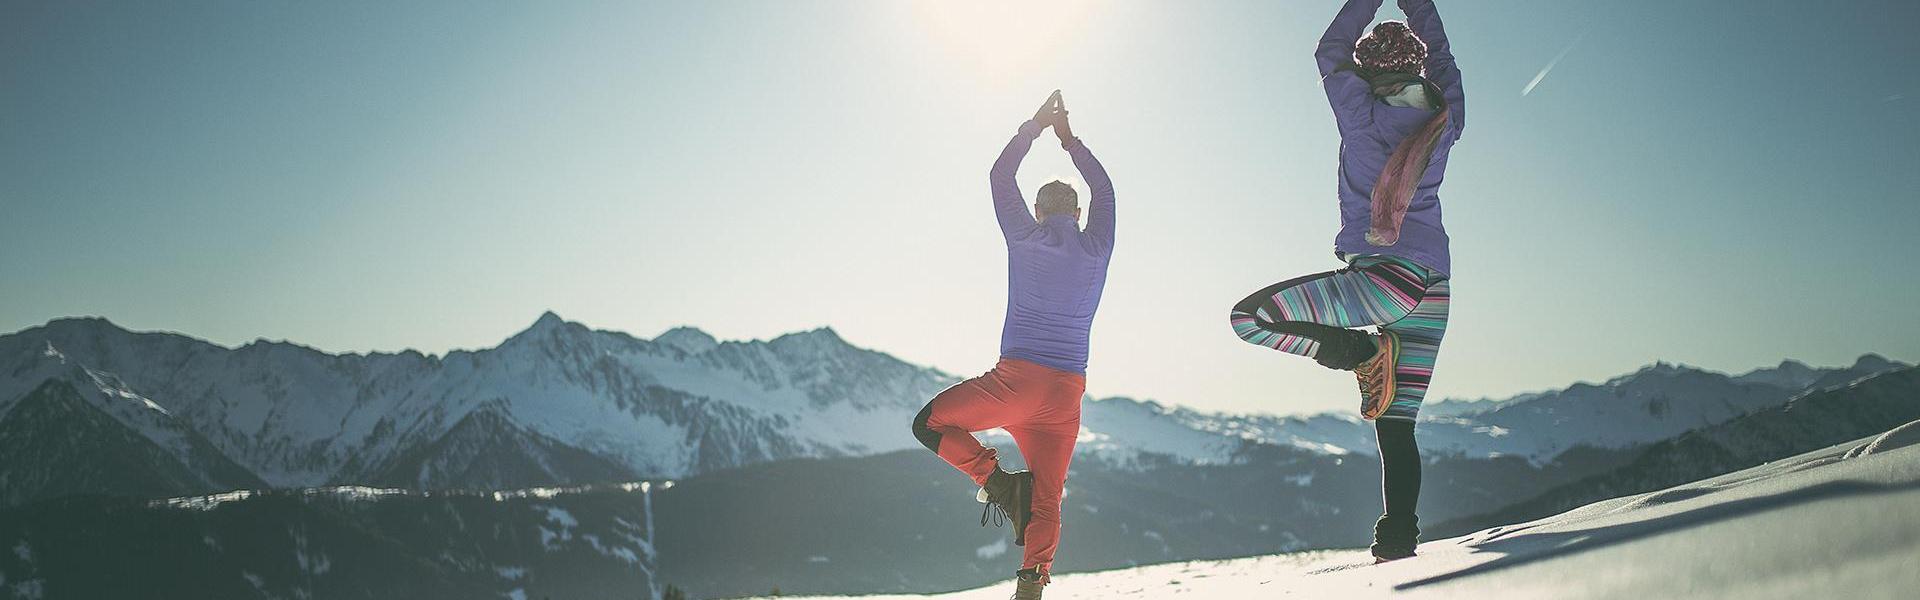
[(1392, 293)]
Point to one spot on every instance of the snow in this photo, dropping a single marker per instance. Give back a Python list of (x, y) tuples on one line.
[(1842, 522), (310, 564), (1899, 437), (547, 537), (32, 589), (997, 548), (560, 516)]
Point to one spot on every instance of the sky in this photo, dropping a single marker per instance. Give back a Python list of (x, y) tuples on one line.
[(1717, 184)]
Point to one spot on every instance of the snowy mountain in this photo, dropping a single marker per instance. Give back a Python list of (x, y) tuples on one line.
[(85, 432), (792, 457), (1817, 419), (1837, 522), (561, 404), (1652, 404), (668, 408)]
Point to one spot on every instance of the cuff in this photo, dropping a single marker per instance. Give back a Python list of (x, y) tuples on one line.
[(1073, 145), (1031, 129)]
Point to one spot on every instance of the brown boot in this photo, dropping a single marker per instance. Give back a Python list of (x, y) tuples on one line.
[(1028, 583), (1009, 497)]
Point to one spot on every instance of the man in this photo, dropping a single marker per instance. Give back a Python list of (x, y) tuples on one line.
[(1055, 272)]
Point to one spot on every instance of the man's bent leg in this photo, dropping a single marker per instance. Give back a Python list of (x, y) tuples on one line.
[(947, 423)]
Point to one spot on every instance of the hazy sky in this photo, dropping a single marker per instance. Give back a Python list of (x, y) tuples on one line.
[(1717, 183)]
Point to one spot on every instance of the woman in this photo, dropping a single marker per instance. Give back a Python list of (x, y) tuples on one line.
[(1397, 100)]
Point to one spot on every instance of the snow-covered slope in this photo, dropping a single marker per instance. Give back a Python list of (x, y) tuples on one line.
[(1842, 522), (83, 431)]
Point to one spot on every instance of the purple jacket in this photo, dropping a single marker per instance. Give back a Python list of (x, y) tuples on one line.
[(1370, 129), (1055, 271)]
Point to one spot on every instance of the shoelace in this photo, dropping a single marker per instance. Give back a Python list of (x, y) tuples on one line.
[(994, 512), (1368, 382)]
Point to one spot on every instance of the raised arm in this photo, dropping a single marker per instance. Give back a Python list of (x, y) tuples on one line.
[(1346, 91), (1008, 205), (1441, 70), (1100, 208)]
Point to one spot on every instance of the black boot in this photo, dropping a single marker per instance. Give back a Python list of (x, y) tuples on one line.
[(1028, 583), (1009, 497), (1344, 349), (1394, 538), (1398, 531)]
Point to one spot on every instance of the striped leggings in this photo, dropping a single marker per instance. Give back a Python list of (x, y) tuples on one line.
[(1393, 293)]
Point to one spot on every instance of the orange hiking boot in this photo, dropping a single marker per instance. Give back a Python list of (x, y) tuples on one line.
[(1377, 385)]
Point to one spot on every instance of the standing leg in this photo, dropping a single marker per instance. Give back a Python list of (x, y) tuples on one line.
[(1047, 440), (1420, 332), (947, 423), (1398, 531)]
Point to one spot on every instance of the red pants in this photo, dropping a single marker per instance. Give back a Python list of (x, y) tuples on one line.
[(1040, 406)]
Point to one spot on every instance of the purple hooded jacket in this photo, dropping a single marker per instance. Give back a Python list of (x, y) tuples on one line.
[(1370, 129)]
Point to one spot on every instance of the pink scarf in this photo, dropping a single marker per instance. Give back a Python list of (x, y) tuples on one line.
[(1406, 166)]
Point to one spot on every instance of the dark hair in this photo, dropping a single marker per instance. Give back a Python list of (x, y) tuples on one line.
[(1391, 48)]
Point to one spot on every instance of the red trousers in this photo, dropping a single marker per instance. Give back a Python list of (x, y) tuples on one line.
[(1040, 406)]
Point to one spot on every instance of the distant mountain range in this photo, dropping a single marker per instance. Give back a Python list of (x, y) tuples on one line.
[(562, 404), (555, 404), (1822, 418), (792, 457)]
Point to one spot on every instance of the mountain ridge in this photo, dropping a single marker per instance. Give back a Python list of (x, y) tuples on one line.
[(684, 403)]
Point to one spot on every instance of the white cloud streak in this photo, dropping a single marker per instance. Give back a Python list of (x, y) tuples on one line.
[(1550, 65)]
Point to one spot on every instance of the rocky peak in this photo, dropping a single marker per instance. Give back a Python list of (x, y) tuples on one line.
[(690, 340)]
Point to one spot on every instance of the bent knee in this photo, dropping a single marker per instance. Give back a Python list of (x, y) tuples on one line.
[(1245, 326), (924, 432)]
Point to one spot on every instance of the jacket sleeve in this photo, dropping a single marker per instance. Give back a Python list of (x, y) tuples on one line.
[(1351, 99), (1008, 205), (1100, 208), (1441, 70)]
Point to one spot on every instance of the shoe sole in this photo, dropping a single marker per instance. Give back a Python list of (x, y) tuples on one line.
[(1390, 347)]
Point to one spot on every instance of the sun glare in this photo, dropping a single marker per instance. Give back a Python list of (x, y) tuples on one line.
[(995, 37)]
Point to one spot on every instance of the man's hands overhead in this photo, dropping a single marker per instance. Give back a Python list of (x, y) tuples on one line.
[(1053, 113)]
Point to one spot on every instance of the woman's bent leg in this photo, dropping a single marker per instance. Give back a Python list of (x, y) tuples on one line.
[(1310, 315)]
